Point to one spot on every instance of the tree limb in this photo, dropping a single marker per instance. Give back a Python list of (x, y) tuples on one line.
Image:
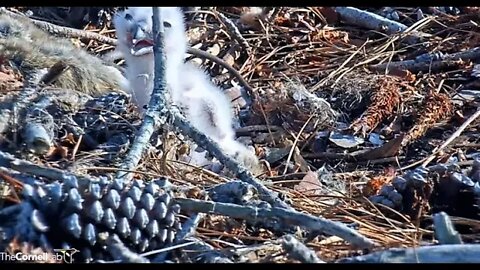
[(289, 217), (428, 62), (427, 254), (213, 148), (373, 21)]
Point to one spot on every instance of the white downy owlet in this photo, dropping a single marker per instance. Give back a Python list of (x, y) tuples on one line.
[(204, 105)]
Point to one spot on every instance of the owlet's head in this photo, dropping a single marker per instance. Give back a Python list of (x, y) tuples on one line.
[(134, 32)]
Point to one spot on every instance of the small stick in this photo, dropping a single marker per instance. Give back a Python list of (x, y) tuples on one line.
[(213, 148), (294, 146), (77, 145), (373, 21), (233, 30), (452, 137)]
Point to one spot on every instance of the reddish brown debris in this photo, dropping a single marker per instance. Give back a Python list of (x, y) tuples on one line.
[(9, 80), (383, 103), (377, 182), (436, 107)]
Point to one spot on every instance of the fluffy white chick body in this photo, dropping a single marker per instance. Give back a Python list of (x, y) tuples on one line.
[(210, 111), (206, 106), (135, 42)]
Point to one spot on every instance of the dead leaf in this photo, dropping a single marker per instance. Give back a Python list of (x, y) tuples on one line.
[(282, 21), (390, 149), (184, 149), (214, 49), (309, 185), (9, 82)]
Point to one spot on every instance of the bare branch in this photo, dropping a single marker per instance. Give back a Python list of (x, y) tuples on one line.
[(429, 62), (309, 222), (213, 148), (428, 254), (373, 21), (233, 30)]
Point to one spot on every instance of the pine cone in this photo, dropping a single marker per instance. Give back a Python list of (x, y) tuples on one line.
[(84, 216)]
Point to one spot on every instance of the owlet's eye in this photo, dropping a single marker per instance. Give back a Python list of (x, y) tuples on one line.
[(128, 17), (167, 24)]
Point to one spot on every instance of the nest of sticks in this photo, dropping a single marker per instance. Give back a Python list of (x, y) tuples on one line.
[(365, 122)]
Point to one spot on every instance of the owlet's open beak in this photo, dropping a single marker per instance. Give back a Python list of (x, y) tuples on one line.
[(142, 46), (142, 41)]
